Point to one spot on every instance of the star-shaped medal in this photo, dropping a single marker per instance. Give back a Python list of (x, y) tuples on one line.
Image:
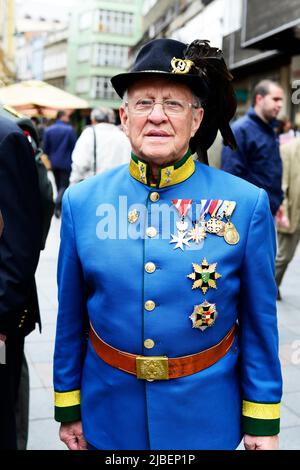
[(204, 315), (180, 240), (204, 276), (197, 234)]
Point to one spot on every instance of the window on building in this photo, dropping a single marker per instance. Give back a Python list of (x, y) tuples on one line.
[(102, 89), (85, 20), (115, 22), (56, 60), (84, 53), (82, 85), (113, 55)]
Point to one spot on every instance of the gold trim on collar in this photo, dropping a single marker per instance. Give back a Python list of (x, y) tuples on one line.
[(168, 176)]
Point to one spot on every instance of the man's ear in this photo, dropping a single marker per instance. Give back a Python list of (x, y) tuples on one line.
[(197, 119), (124, 119)]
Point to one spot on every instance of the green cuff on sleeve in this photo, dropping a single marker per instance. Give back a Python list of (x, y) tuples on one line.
[(67, 414), (261, 419), (261, 427)]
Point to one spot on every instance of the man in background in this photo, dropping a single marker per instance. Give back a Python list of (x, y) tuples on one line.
[(288, 222), (100, 147), (58, 143), (257, 157)]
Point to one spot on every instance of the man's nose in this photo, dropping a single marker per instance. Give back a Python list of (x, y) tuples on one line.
[(157, 113)]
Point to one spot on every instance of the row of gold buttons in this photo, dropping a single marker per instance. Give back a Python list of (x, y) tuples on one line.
[(150, 268)]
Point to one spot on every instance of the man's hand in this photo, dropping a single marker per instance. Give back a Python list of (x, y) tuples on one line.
[(261, 442), (71, 434), (2, 337), (281, 218)]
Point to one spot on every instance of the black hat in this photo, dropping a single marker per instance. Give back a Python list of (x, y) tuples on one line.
[(200, 67), (159, 57)]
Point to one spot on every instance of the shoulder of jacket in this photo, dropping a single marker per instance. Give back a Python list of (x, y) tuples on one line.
[(8, 127), (232, 182)]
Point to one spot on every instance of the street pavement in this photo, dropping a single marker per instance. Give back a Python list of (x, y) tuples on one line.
[(43, 430)]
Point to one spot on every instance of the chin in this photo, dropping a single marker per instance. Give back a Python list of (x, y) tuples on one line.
[(158, 155)]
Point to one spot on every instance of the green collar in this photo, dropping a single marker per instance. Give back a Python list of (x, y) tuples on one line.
[(167, 176)]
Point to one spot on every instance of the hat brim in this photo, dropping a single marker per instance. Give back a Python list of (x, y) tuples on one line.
[(123, 81)]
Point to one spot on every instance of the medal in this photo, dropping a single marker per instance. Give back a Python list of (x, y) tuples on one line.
[(231, 235), (204, 315), (180, 240), (198, 233), (182, 226), (204, 276), (182, 206), (133, 216), (215, 224)]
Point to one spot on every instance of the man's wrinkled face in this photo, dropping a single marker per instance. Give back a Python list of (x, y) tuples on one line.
[(271, 104), (159, 136)]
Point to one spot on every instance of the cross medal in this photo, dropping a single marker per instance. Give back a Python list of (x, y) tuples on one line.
[(181, 239)]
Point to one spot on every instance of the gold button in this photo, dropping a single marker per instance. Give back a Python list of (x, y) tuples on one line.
[(150, 267), (149, 343), (133, 216), (151, 232), (150, 305), (154, 197)]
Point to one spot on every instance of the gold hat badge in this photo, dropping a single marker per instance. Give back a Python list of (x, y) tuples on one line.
[(181, 66)]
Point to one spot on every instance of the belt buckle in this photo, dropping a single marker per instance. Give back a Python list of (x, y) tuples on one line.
[(152, 367)]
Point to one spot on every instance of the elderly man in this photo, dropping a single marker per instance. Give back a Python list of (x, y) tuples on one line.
[(159, 261)]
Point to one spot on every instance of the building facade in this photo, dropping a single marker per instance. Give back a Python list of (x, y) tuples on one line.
[(7, 28), (101, 33), (55, 58)]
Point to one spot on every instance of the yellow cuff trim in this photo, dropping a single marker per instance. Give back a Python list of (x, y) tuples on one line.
[(67, 398), (261, 410)]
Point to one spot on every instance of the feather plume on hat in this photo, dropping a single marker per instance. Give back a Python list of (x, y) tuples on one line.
[(219, 102)]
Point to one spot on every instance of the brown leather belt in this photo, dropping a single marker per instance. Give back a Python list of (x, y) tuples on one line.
[(160, 367)]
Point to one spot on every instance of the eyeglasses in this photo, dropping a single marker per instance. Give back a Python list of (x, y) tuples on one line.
[(144, 106)]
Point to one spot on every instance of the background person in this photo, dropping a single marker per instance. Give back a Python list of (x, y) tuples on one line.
[(100, 147), (58, 143), (20, 245), (288, 224), (257, 158)]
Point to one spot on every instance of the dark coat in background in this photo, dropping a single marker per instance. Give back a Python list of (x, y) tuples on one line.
[(20, 245)]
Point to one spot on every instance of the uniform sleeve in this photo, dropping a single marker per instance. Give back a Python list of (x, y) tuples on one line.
[(286, 156), (260, 367), (20, 241), (235, 161), (71, 330)]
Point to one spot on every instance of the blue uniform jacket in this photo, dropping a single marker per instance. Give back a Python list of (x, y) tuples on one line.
[(102, 279), (257, 158)]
